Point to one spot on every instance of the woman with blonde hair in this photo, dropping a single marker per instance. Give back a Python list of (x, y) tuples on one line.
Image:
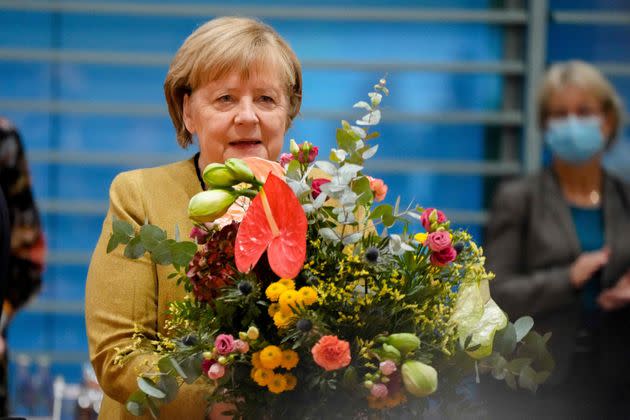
[(235, 86), (558, 243)]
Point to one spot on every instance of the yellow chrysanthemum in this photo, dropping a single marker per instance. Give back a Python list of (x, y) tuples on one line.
[(252, 373), (290, 359), (273, 309), (274, 290), (277, 383), (421, 237), (291, 381), (308, 295), (288, 299), (271, 357), (288, 283), (263, 376), (256, 360), (282, 320)]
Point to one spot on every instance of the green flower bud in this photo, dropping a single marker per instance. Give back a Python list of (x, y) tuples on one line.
[(240, 170), (368, 384), (217, 175), (252, 333), (419, 379), (207, 206), (208, 355), (404, 342), (388, 352), (242, 335), (223, 360), (294, 148)]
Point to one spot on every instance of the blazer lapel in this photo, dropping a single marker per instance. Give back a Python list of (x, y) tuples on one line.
[(554, 200)]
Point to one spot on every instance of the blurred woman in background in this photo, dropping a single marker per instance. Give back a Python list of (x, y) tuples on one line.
[(559, 244)]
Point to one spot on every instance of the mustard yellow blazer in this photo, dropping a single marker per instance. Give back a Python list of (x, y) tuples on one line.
[(121, 293)]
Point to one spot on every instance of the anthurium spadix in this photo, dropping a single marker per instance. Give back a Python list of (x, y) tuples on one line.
[(275, 222)]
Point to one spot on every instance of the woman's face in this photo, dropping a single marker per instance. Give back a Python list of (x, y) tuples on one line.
[(572, 100), (236, 118)]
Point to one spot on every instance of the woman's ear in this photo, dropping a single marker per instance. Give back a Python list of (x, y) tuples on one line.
[(187, 114)]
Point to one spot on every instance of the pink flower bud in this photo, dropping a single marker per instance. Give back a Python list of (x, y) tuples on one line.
[(216, 371), (241, 346), (387, 367), (379, 391)]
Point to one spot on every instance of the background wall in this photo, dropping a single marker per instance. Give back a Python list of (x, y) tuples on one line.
[(83, 83)]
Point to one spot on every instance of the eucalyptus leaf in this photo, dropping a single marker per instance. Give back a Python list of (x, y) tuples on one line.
[(169, 385), (182, 252), (370, 152), (345, 138), (191, 366), (352, 239), (134, 248), (373, 118), (522, 326), (327, 167), (381, 210), (149, 387), (161, 253), (169, 365), (363, 105), (136, 403), (505, 340), (329, 234), (123, 228), (151, 236)]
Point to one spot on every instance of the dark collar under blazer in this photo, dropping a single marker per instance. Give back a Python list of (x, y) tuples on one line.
[(531, 242)]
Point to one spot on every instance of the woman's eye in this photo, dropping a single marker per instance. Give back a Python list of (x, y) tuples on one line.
[(267, 99), (225, 98)]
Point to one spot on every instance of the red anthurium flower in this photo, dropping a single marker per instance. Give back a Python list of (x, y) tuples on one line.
[(275, 222)]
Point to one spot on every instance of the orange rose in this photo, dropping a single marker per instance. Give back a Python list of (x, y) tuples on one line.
[(378, 187), (331, 353)]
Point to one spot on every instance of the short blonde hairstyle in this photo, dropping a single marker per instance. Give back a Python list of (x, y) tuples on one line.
[(584, 76), (221, 46)]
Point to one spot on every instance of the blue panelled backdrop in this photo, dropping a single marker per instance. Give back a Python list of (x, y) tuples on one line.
[(85, 120)]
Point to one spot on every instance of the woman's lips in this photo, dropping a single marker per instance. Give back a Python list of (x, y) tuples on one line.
[(245, 143)]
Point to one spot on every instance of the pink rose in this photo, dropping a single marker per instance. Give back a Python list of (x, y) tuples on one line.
[(378, 187), (387, 367), (424, 218), (379, 391), (241, 346), (443, 257), (438, 241), (285, 159), (331, 353), (224, 344), (316, 184), (216, 371)]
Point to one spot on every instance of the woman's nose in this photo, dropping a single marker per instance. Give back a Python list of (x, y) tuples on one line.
[(246, 113)]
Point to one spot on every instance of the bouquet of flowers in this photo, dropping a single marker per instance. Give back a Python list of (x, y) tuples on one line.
[(303, 304)]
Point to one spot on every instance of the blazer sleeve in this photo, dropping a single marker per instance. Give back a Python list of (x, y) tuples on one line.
[(518, 290), (121, 296)]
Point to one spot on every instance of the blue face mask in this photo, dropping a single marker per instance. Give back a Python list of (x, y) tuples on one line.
[(575, 139)]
